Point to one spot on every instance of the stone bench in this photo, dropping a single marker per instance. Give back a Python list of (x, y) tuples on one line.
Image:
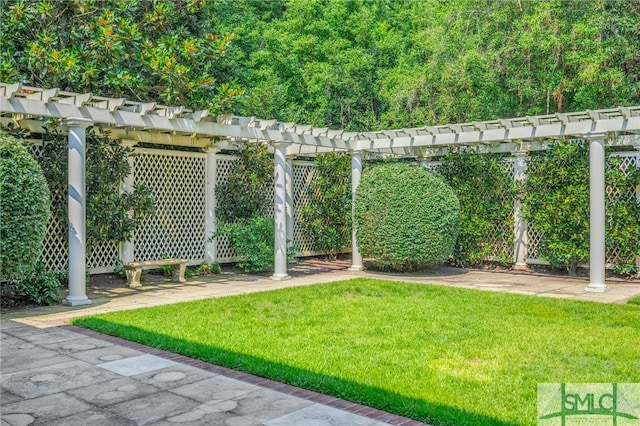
[(134, 269)]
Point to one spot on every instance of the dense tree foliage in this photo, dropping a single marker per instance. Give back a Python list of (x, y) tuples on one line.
[(353, 64), (161, 50), (363, 64)]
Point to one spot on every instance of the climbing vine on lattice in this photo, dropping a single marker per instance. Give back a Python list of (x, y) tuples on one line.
[(246, 192), (327, 218), (486, 191), (111, 214), (556, 202), (623, 214), (243, 201)]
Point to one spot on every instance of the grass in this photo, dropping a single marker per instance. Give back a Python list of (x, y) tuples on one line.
[(443, 355), (634, 301)]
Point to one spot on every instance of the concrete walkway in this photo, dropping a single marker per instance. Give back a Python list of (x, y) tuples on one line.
[(57, 374)]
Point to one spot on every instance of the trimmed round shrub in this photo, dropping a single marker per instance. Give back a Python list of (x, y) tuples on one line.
[(24, 208), (406, 217)]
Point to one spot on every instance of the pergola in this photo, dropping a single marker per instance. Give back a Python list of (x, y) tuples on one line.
[(29, 107)]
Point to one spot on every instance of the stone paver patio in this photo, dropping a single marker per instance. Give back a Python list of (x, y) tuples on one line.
[(57, 374)]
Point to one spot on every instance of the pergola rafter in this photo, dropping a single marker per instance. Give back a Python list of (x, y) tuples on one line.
[(35, 108), (181, 126)]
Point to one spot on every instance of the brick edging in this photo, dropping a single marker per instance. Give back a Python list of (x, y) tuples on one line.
[(319, 398)]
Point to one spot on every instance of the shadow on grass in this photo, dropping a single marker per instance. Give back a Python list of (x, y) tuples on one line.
[(382, 399)]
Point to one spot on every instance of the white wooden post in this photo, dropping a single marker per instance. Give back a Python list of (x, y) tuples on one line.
[(356, 174), (425, 162), (280, 211), (210, 200), (520, 225), (289, 199), (597, 214), (636, 145), (77, 212), (127, 247)]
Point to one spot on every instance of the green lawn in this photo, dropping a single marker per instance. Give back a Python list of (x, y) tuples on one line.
[(437, 354)]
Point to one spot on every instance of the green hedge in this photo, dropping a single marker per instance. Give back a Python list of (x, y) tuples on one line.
[(405, 216), (24, 208)]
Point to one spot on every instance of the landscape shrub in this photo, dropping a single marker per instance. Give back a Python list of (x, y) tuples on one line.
[(38, 286), (253, 241), (406, 217), (208, 269), (24, 208), (486, 192), (327, 218)]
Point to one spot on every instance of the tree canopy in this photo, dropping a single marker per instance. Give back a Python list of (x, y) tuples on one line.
[(159, 50), (352, 64)]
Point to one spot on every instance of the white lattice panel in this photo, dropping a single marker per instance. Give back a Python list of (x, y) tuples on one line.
[(224, 250), (55, 250), (613, 196), (303, 173), (177, 181), (616, 195), (431, 165), (502, 237), (534, 239), (104, 257)]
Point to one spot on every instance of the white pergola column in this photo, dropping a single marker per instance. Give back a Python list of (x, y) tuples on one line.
[(127, 247), (210, 203), (77, 212), (425, 162), (596, 214), (356, 174), (280, 211), (637, 147), (520, 225), (289, 199)]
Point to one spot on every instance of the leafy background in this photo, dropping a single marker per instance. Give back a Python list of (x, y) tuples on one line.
[(352, 64)]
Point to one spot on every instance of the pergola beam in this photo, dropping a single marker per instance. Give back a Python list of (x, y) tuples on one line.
[(502, 135), (117, 113), (169, 122)]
